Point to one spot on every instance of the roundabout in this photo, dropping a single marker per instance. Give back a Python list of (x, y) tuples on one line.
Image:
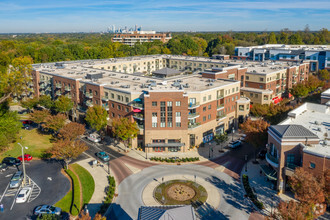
[(222, 197)]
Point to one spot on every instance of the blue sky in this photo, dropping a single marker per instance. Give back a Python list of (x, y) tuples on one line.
[(166, 15)]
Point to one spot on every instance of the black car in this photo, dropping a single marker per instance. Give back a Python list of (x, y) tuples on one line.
[(11, 161), (3, 167)]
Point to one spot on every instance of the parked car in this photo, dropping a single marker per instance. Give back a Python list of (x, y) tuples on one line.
[(242, 138), (47, 209), (23, 194), (27, 157), (103, 156), (16, 179), (235, 144), (3, 167), (262, 154), (11, 161), (94, 137)]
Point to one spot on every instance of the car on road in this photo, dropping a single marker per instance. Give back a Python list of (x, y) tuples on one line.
[(103, 156), (16, 179), (94, 138), (3, 167), (242, 138), (235, 144), (23, 194), (11, 161), (27, 157), (47, 209)]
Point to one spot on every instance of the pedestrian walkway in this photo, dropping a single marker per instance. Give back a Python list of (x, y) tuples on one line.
[(263, 188), (99, 175)]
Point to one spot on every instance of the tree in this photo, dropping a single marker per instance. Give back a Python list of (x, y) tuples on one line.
[(71, 131), (256, 133), (39, 116), (299, 90), (124, 129), (66, 150), (221, 139), (295, 39), (313, 83), (63, 104), (16, 79), (272, 38), (46, 101), (292, 210), (85, 216), (96, 117), (324, 74), (55, 122), (9, 128), (30, 103)]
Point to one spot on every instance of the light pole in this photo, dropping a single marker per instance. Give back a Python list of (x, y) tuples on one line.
[(233, 131), (209, 150), (24, 174), (146, 149)]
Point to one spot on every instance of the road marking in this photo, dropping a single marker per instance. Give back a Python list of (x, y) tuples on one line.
[(15, 198), (4, 192), (36, 190), (9, 175), (93, 144)]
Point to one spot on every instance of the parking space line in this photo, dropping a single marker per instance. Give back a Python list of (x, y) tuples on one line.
[(4, 192), (15, 198)]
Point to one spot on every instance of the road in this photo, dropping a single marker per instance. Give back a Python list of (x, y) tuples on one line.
[(53, 186)]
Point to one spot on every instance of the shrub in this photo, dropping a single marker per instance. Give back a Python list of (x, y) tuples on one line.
[(249, 192), (109, 195)]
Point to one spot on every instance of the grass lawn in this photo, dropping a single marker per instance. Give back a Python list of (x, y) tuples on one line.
[(36, 143), (65, 202), (87, 182), (75, 208)]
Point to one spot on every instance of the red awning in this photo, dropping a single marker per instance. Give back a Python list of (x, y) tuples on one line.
[(290, 95), (136, 110)]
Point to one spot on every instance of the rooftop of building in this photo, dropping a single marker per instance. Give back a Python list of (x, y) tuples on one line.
[(166, 212), (326, 93), (262, 91), (292, 131), (290, 47), (315, 118)]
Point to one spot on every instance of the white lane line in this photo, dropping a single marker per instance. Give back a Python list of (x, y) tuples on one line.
[(4, 192), (15, 198)]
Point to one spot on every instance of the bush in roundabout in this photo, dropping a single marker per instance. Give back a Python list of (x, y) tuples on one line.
[(171, 160)]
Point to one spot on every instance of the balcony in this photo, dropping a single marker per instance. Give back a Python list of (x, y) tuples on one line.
[(193, 105), (193, 115), (137, 105), (89, 95), (278, 85), (193, 125), (220, 117), (105, 98), (89, 103), (69, 96), (67, 89), (42, 85), (273, 161), (138, 116), (58, 85), (141, 127), (220, 96), (221, 106), (106, 107), (58, 93)]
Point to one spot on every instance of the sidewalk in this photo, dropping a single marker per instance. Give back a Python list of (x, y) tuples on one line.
[(263, 188), (204, 153)]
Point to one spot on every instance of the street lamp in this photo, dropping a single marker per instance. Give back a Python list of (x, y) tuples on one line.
[(233, 131), (209, 150), (24, 174)]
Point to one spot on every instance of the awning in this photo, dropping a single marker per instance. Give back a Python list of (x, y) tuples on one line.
[(269, 172), (136, 110), (165, 145), (137, 100)]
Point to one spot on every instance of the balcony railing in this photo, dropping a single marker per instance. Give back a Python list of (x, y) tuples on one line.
[(58, 93), (69, 96), (220, 97), (141, 127), (137, 105), (42, 85), (105, 98), (193, 115), (67, 88), (193, 105), (138, 116), (271, 159), (106, 107), (219, 117), (193, 125), (89, 103), (89, 95), (220, 106), (58, 85)]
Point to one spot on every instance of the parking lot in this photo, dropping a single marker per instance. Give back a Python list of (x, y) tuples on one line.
[(47, 183)]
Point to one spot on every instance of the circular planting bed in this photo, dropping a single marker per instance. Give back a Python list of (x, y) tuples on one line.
[(180, 192)]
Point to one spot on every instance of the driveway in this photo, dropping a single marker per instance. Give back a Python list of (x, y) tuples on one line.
[(47, 176)]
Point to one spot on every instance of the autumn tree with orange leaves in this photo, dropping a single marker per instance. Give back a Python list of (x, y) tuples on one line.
[(71, 131), (55, 122)]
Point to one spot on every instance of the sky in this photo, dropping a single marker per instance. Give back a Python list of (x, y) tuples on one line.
[(30, 16)]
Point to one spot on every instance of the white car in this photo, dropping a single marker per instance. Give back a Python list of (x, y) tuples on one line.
[(23, 195), (94, 138)]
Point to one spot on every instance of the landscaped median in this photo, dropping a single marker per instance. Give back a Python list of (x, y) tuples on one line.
[(82, 189), (250, 193)]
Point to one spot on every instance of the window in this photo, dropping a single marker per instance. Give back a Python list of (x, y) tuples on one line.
[(169, 124), (178, 114), (127, 99), (232, 98), (311, 165), (112, 95), (154, 124), (247, 107), (178, 124), (209, 106), (204, 99), (95, 92), (241, 107), (204, 118), (210, 97), (247, 77), (127, 110), (118, 97), (154, 103), (246, 84), (113, 114), (233, 90), (261, 87), (177, 103), (119, 108), (204, 108), (154, 114), (112, 105), (106, 94), (261, 79), (256, 95), (209, 116), (162, 124), (169, 103)]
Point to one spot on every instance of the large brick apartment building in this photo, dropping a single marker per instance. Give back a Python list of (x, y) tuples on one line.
[(134, 37)]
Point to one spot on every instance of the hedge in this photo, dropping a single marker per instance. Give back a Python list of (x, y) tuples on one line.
[(250, 193), (168, 160), (110, 193), (75, 206)]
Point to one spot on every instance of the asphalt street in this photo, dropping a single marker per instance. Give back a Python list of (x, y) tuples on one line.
[(47, 176)]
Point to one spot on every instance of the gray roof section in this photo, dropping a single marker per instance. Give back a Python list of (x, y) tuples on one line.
[(167, 71), (167, 212), (292, 131)]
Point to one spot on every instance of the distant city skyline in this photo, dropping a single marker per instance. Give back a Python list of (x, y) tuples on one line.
[(31, 16)]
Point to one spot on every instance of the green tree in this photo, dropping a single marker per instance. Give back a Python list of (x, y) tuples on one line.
[(124, 129), (299, 90), (96, 117), (16, 79), (30, 103), (39, 116), (295, 39), (220, 139), (9, 128), (324, 74), (46, 101), (272, 38), (55, 122), (63, 104)]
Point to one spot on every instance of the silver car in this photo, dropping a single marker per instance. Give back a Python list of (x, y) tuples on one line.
[(16, 180)]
